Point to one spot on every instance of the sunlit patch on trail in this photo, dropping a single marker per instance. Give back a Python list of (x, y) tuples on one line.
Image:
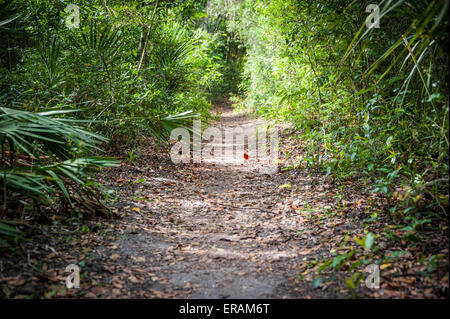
[(251, 144)]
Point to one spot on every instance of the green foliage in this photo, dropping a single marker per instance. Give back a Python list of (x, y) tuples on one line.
[(371, 105), (129, 75), (132, 68), (38, 135), (7, 231)]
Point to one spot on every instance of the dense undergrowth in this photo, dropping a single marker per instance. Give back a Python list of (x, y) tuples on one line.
[(124, 70), (371, 104)]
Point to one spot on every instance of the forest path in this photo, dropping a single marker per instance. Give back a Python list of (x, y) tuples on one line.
[(220, 229), (210, 230)]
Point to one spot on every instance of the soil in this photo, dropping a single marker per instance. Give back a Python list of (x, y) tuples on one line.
[(215, 229)]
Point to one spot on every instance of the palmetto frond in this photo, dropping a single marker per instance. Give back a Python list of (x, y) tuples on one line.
[(40, 134), (104, 40), (169, 54)]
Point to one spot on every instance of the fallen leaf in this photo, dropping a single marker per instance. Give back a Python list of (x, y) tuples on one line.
[(90, 295), (133, 279)]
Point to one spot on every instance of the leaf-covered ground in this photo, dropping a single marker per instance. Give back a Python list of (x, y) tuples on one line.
[(215, 230)]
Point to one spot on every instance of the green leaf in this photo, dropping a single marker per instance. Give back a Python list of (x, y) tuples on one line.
[(8, 231), (350, 283), (316, 282), (9, 20), (360, 241), (337, 260)]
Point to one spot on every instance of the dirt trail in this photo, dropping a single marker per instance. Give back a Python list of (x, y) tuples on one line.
[(219, 229), (213, 230)]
